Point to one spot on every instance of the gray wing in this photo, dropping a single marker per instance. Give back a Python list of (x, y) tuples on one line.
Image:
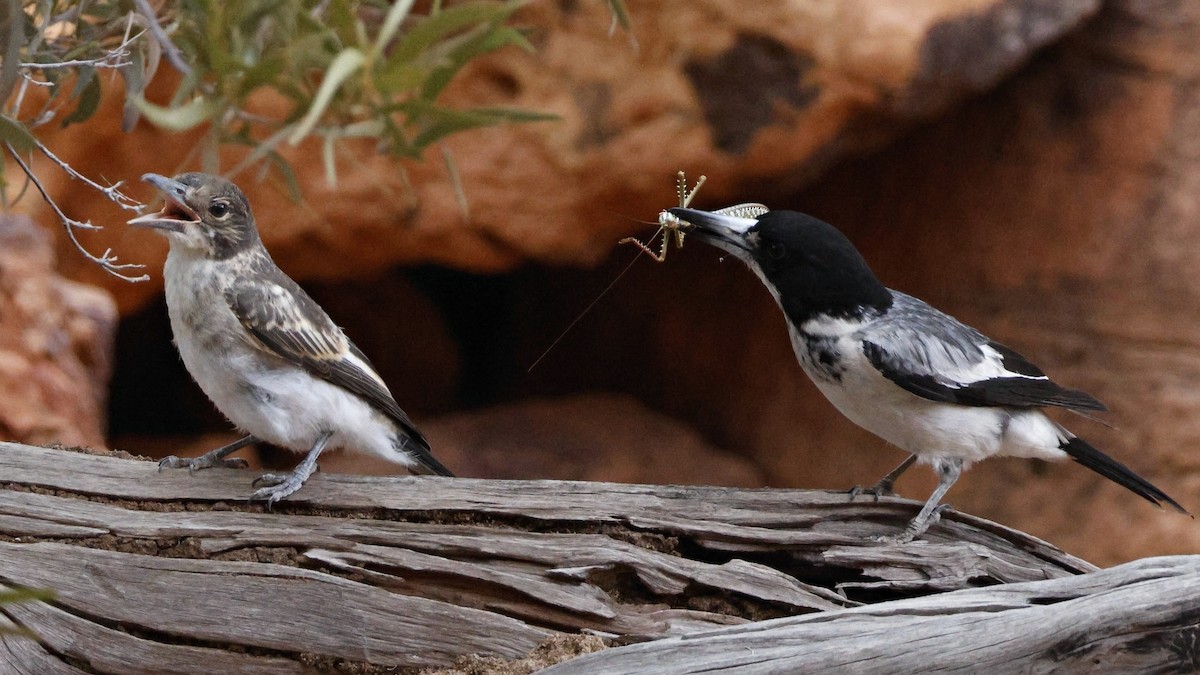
[(286, 322), (934, 356)]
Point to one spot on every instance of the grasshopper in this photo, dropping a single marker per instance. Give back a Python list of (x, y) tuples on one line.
[(668, 225), (674, 228)]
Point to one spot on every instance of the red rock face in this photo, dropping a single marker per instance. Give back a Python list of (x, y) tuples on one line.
[(56, 340), (740, 91), (1059, 213)]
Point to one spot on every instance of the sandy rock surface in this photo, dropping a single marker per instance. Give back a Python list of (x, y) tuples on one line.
[(743, 92), (56, 339)]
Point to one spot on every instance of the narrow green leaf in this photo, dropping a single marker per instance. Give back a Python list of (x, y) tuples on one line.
[(620, 14), (372, 128), (179, 118), (135, 83), (521, 115), (87, 96), (262, 74), (460, 193), (486, 40), (262, 149), (22, 595), (15, 134), (391, 24), (399, 77), (186, 89), (444, 24), (289, 175), (329, 159), (12, 38), (437, 123), (25, 595), (346, 64)]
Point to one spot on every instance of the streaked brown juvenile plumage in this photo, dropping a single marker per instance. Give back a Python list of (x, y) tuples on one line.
[(264, 351)]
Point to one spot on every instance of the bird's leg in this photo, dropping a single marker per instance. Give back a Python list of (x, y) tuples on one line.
[(948, 472), (211, 458), (884, 487), (279, 486)]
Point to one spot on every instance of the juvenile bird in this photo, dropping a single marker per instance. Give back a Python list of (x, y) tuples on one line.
[(267, 355), (901, 369)]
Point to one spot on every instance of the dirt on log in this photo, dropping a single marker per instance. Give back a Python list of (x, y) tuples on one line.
[(176, 573)]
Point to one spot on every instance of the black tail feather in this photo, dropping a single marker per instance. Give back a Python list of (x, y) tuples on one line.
[(1118, 473), (431, 467), (427, 464), (418, 448)]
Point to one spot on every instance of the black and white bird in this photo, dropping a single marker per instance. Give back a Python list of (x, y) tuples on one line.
[(267, 355), (901, 369)]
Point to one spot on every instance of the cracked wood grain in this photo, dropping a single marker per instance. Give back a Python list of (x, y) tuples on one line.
[(378, 572), (1137, 617)]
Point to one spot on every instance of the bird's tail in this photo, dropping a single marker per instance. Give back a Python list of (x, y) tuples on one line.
[(1106, 466), (427, 464)]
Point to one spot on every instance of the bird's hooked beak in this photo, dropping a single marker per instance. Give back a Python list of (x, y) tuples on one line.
[(175, 213), (729, 232)]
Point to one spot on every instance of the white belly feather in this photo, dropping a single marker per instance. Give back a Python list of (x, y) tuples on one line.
[(928, 429), (272, 399)]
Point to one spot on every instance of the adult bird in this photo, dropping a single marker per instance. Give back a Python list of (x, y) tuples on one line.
[(264, 352), (899, 368)]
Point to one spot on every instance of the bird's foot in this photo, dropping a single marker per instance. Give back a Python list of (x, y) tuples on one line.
[(881, 489), (211, 458), (916, 527), (206, 461), (280, 485)]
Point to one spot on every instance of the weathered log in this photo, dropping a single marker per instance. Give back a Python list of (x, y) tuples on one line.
[(159, 572), (1138, 617)]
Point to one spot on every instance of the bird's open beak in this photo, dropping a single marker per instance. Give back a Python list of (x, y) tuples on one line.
[(730, 233), (175, 212)]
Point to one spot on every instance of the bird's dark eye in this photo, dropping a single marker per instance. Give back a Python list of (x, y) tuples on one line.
[(776, 250), (218, 209)]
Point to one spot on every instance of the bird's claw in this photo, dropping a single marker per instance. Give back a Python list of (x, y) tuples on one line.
[(194, 464), (881, 489), (276, 486), (914, 528)]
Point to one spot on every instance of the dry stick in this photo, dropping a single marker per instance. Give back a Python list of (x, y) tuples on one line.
[(106, 260), (112, 192), (156, 29)]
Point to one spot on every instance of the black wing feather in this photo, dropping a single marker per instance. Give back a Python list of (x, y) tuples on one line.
[(1016, 392)]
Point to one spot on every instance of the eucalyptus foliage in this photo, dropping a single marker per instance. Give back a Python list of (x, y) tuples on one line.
[(12, 597), (346, 69)]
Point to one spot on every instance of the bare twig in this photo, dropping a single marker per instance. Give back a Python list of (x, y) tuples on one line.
[(111, 192), (30, 79), (109, 60), (160, 35), (107, 261)]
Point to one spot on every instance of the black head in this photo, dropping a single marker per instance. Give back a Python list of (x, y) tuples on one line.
[(203, 213), (811, 267)]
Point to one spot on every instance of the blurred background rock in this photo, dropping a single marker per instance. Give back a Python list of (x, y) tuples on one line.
[(1031, 166)]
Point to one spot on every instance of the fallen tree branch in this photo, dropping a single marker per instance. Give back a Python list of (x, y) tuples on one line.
[(418, 571), (1138, 617)]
